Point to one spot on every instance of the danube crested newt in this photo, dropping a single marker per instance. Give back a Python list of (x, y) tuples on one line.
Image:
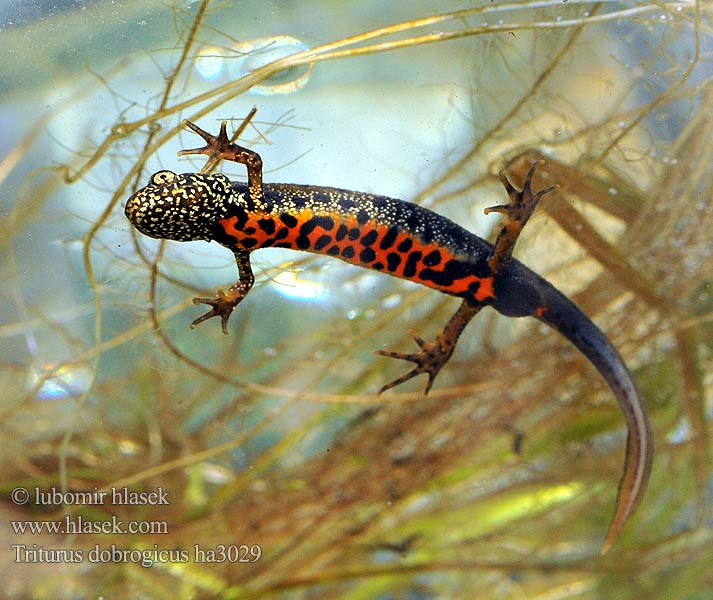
[(395, 237)]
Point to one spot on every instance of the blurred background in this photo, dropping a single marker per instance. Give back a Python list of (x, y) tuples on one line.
[(287, 477)]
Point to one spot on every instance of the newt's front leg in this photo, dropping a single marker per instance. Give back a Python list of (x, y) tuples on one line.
[(219, 147), (434, 355), (224, 304)]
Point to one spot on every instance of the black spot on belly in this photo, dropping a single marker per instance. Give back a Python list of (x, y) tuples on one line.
[(369, 238), (457, 269), (288, 220), (348, 252), (411, 263), (388, 240), (325, 222), (405, 246), (393, 261), (438, 277), (333, 250), (248, 242), (367, 255), (267, 225), (453, 270), (241, 217), (308, 227), (341, 233), (432, 258), (354, 233), (322, 242), (249, 230), (282, 234)]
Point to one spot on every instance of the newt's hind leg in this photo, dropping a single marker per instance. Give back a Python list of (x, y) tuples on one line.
[(517, 213), (433, 355)]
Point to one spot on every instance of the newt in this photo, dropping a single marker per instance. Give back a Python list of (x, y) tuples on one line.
[(398, 238)]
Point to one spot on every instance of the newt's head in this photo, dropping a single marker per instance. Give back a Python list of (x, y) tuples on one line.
[(181, 207)]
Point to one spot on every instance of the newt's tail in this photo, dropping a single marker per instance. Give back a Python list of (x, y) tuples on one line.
[(521, 292)]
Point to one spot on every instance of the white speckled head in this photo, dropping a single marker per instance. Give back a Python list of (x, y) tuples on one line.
[(181, 207)]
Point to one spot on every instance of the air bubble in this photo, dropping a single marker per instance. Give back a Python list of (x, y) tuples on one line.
[(209, 63), (256, 53), (215, 63), (64, 382)]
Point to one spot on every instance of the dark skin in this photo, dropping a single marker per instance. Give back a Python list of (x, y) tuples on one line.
[(397, 238), (432, 355)]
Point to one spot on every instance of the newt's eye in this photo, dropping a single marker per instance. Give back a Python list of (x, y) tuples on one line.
[(162, 177)]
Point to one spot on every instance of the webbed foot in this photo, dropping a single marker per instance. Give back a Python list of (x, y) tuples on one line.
[(217, 148), (223, 305), (430, 359), (517, 213)]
